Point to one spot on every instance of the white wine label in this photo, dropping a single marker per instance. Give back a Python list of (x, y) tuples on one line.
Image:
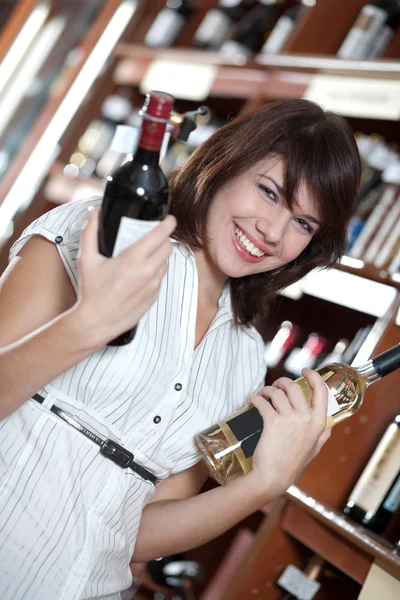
[(379, 474), (392, 502), (130, 231), (297, 583), (333, 406)]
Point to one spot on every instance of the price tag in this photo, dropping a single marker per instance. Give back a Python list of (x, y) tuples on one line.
[(297, 583), (356, 96), (191, 81)]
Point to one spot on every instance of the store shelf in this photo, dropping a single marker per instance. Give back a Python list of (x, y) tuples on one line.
[(280, 76), (237, 77), (367, 271), (314, 524)]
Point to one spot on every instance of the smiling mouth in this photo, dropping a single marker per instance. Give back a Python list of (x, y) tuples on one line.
[(246, 244)]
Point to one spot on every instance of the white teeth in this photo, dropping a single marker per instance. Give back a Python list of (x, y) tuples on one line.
[(247, 244)]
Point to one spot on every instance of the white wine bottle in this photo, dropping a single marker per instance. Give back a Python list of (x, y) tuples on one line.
[(228, 446)]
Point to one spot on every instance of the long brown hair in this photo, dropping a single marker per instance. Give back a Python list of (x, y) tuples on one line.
[(319, 148)]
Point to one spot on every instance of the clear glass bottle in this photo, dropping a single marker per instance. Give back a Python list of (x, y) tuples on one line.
[(228, 446)]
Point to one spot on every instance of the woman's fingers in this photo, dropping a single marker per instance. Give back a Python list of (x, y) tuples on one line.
[(294, 393), (319, 406), (276, 397)]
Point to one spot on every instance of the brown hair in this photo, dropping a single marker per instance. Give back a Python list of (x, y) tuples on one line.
[(319, 148)]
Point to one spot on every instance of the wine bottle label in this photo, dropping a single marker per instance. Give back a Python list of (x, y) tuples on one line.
[(213, 28), (363, 33), (130, 231), (392, 502), (165, 29), (379, 474), (278, 36), (297, 583), (247, 426)]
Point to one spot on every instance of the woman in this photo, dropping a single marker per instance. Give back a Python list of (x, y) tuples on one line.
[(261, 203)]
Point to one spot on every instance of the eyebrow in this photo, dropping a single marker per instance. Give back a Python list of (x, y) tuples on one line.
[(282, 193)]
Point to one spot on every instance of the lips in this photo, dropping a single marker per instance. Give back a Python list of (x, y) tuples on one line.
[(242, 252)]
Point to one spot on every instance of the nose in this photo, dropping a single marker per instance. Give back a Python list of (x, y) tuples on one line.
[(272, 228)]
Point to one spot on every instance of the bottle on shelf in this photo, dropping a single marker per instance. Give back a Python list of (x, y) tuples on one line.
[(317, 574), (249, 35), (305, 356), (356, 343), (217, 23), (122, 147), (138, 190), (376, 495), (362, 36), (228, 446), (337, 353), (387, 33), (177, 573), (282, 31), (169, 23), (96, 139), (300, 584), (376, 225), (281, 344)]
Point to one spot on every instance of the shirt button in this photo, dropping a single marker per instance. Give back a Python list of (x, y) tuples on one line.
[(58, 239), (178, 387), (157, 419)]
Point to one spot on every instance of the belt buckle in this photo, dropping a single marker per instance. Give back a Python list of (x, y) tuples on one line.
[(116, 453)]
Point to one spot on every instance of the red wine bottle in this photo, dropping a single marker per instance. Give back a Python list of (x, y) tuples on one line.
[(138, 190)]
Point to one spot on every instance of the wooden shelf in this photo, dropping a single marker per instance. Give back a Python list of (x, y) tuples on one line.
[(370, 272), (274, 77), (237, 77), (330, 547)]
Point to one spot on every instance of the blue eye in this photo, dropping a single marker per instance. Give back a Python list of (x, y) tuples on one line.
[(305, 225), (268, 192)]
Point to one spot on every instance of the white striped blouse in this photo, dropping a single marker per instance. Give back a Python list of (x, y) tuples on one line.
[(69, 516)]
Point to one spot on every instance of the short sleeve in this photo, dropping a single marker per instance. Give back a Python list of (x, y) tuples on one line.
[(62, 226)]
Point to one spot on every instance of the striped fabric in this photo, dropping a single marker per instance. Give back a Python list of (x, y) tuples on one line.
[(69, 517)]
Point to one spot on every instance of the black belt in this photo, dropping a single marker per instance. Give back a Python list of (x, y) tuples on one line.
[(108, 448)]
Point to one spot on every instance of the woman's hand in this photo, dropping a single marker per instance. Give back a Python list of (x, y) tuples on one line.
[(293, 431), (115, 293)]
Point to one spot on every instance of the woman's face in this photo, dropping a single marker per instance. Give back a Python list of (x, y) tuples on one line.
[(251, 229)]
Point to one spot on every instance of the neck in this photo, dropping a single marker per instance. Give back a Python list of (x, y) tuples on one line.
[(211, 280)]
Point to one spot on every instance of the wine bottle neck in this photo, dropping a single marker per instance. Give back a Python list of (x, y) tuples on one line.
[(147, 157), (369, 373), (381, 365)]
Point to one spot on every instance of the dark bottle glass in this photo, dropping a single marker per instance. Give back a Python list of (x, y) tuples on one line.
[(138, 190), (376, 496), (169, 23), (217, 22), (250, 33)]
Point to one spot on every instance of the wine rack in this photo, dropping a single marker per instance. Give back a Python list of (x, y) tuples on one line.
[(289, 529)]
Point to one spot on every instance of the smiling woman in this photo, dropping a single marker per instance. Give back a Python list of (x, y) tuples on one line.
[(281, 181), (262, 202)]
